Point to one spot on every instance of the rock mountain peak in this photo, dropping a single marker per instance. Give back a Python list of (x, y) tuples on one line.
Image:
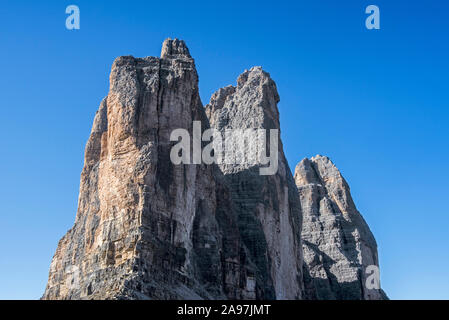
[(146, 228), (174, 47)]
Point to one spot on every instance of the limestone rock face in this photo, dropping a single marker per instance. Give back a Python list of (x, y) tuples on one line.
[(266, 206), (146, 228), (338, 244)]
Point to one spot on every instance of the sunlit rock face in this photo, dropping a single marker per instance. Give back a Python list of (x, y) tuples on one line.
[(147, 228), (339, 247)]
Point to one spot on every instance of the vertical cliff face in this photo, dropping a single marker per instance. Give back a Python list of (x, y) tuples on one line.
[(146, 228), (266, 206), (339, 247)]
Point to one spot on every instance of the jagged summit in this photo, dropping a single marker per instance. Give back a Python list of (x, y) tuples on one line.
[(147, 228), (252, 103), (174, 47), (339, 248), (305, 172), (267, 207)]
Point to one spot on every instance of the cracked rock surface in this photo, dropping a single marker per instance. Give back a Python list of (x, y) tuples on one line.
[(146, 228), (266, 206), (338, 244)]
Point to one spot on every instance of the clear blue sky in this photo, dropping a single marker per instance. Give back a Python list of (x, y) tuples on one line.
[(376, 102)]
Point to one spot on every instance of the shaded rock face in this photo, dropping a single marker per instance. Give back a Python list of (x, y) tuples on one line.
[(267, 209), (338, 244)]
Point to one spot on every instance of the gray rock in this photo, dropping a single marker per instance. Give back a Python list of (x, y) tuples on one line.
[(338, 244), (145, 228), (267, 207)]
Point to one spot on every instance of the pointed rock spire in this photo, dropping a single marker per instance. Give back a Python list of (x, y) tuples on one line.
[(147, 228), (174, 48), (340, 251), (266, 206)]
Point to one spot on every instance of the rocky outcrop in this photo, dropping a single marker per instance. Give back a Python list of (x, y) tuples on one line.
[(266, 206), (339, 247), (150, 228), (146, 228)]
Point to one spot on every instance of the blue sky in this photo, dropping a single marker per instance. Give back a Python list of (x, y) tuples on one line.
[(375, 101)]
